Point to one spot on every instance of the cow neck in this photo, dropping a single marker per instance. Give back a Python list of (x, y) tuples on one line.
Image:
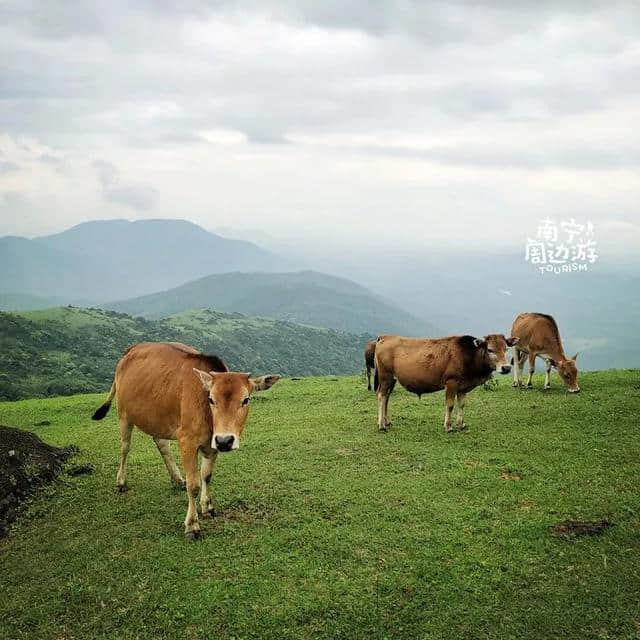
[(558, 354)]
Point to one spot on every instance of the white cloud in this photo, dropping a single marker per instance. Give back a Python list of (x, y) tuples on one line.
[(329, 118)]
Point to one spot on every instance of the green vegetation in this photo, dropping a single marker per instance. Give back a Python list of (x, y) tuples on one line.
[(329, 529), (306, 297), (69, 350)]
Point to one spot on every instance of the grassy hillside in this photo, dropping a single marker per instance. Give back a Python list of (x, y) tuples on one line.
[(306, 297), (328, 529), (70, 350)]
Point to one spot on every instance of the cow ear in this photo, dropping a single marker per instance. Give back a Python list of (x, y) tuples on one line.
[(205, 378), (576, 356), (511, 341), (479, 342), (264, 382)]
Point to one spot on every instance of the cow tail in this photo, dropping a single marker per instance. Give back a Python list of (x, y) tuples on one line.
[(103, 409), (376, 377)]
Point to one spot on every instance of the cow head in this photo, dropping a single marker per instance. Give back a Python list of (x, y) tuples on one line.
[(496, 346), (568, 371), (229, 395)]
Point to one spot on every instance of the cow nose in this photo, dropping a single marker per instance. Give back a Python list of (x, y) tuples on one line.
[(576, 390), (224, 443), (505, 368)]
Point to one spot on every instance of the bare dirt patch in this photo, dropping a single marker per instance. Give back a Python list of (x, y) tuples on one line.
[(510, 475), (240, 511), (26, 463), (576, 528)]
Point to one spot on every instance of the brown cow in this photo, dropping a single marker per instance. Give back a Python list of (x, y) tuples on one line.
[(172, 392), (539, 336), (369, 360), (456, 364)]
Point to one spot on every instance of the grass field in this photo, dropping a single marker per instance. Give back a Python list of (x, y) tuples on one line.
[(329, 529)]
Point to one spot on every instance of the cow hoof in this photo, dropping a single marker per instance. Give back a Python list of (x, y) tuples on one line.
[(515, 385), (462, 427), (192, 536), (547, 387), (382, 429), (529, 386), (122, 488), (209, 513), (179, 486), (448, 429)]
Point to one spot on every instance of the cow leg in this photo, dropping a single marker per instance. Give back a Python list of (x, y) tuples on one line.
[(206, 468), (386, 404), (125, 445), (368, 377), (189, 455), (460, 419), (547, 377), (450, 390), (384, 391), (517, 368), (165, 451), (532, 368)]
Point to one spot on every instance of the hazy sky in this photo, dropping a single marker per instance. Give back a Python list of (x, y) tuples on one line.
[(404, 121)]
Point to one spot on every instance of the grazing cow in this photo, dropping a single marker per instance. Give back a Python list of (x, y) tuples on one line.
[(369, 360), (172, 392), (539, 336), (456, 364)]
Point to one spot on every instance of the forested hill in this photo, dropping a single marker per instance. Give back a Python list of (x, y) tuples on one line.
[(73, 350), (306, 297)]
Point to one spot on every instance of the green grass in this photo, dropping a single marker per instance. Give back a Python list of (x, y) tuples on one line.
[(329, 529)]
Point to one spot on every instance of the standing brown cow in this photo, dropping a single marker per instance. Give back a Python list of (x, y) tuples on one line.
[(369, 360), (172, 392), (539, 336), (456, 364)]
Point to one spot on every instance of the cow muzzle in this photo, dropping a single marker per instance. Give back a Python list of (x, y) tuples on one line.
[(576, 390), (505, 368), (225, 443)]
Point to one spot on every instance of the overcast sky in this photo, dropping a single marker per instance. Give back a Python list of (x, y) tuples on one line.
[(371, 120)]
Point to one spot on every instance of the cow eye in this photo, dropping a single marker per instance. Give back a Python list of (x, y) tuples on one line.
[(246, 401), (211, 400), (490, 350)]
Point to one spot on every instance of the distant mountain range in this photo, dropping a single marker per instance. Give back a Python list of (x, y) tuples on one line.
[(69, 350), (304, 297), (112, 259), (156, 268), (27, 302)]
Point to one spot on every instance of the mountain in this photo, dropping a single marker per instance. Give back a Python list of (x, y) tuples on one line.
[(305, 297), (109, 259), (26, 302), (71, 350), (28, 267)]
